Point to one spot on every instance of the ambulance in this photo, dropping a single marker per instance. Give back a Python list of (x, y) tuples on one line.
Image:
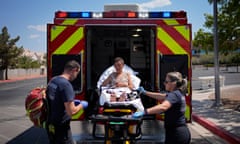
[(152, 43)]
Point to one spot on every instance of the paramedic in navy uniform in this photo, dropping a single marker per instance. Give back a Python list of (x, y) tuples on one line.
[(60, 96), (173, 106)]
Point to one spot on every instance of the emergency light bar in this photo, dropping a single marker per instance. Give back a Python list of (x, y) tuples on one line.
[(61, 14), (121, 14)]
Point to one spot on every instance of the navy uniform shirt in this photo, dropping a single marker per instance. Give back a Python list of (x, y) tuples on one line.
[(59, 90), (174, 116)]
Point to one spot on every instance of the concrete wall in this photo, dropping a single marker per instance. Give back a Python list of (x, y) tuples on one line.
[(15, 73)]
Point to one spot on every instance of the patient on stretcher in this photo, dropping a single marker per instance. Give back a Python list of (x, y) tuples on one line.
[(119, 85)]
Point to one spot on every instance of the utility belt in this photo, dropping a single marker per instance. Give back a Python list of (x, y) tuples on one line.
[(51, 127)]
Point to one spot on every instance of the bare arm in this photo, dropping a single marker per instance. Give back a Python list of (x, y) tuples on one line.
[(130, 84), (71, 108), (156, 95), (165, 105), (106, 81)]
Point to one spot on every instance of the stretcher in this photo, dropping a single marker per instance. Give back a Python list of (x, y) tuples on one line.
[(119, 125), (116, 117)]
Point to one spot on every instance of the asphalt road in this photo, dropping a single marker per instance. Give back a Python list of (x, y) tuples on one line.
[(13, 120), (232, 77), (16, 128)]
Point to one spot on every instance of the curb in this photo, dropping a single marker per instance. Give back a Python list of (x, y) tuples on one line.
[(229, 137), (21, 78)]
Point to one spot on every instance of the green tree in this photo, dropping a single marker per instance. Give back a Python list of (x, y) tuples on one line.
[(24, 62), (35, 64), (228, 22), (228, 27), (27, 62), (203, 40), (8, 51)]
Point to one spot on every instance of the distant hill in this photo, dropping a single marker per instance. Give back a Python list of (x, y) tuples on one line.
[(34, 55)]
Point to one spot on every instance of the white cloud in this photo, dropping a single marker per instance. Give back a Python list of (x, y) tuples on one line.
[(34, 36), (41, 28), (154, 4)]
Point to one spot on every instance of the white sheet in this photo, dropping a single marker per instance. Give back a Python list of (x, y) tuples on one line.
[(105, 97)]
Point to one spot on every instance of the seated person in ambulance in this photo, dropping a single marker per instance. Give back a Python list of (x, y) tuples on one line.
[(119, 84), (119, 78)]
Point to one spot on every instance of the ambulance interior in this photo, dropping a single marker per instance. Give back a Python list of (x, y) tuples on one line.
[(134, 44), (137, 46)]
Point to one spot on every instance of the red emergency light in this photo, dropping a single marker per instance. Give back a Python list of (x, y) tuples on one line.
[(180, 14), (132, 14), (61, 14)]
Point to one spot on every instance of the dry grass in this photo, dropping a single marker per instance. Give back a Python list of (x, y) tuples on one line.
[(230, 98)]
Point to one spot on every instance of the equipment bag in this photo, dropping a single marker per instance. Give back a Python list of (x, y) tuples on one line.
[(36, 107)]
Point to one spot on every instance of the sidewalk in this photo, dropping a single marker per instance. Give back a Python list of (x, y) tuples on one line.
[(223, 121)]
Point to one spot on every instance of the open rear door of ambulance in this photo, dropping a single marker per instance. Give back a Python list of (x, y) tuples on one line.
[(64, 43), (174, 54)]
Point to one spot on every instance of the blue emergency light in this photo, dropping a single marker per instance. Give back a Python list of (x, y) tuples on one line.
[(160, 14), (166, 14), (74, 14), (154, 15), (86, 14)]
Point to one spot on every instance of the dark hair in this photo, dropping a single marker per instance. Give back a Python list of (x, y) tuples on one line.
[(71, 65), (181, 82)]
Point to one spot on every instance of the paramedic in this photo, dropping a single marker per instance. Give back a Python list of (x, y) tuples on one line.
[(173, 106), (60, 96), (119, 78)]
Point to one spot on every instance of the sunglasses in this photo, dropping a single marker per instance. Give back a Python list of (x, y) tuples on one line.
[(166, 81)]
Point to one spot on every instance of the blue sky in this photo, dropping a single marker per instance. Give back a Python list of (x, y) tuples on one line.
[(28, 18)]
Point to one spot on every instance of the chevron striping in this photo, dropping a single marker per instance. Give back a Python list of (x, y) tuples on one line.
[(70, 42)]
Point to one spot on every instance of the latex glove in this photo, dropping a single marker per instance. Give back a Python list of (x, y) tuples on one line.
[(141, 90), (84, 104), (138, 114), (77, 102)]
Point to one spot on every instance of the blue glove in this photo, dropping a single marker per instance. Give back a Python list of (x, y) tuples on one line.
[(84, 104), (141, 90), (77, 102), (138, 114)]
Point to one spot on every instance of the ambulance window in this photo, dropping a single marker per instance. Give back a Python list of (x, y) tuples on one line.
[(58, 62), (169, 63)]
